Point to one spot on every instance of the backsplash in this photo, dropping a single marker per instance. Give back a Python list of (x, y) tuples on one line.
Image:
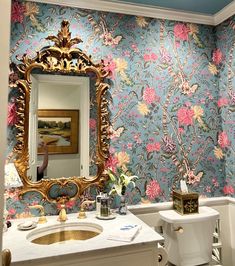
[(172, 97)]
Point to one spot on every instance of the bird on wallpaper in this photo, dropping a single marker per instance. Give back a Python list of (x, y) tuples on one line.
[(185, 86), (116, 133), (100, 28)]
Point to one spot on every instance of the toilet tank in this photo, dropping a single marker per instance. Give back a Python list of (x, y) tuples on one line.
[(188, 238)]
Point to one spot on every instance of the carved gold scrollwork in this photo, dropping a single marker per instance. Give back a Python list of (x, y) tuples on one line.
[(62, 58)]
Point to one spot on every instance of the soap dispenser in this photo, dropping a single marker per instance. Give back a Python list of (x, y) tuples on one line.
[(98, 203)]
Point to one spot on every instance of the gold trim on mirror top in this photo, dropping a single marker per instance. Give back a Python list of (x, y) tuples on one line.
[(61, 58)]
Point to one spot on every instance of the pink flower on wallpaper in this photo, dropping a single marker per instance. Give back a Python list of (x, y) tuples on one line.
[(92, 124), (181, 130), (12, 115), (228, 190), (11, 211), (151, 147), (181, 31), (150, 57), (185, 116), (223, 102), (153, 190), (223, 139), (17, 12), (154, 57), (111, 163), (147, 57), (135, 48), (149, 95), (215, 182), (217, 56), (110, 66), (70, 204), (137, 138)]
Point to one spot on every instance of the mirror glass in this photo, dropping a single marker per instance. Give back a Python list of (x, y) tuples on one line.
[(53, 95)]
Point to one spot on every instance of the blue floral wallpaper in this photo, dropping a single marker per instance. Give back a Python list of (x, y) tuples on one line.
[(172, 97), (224, 58)]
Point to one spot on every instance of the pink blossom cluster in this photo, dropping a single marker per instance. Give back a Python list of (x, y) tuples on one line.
[(185, 116), (150, 57), (222, 102), (12, 115), (111, 163), (153, 190), (17, 12), (217, 56), (228, 190), (181, 31), (149, 95), (151, 147), (92, 124), (110, 66), (223, 140)]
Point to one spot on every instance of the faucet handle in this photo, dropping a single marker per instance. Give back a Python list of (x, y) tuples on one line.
[(84, 204), (42, 219)]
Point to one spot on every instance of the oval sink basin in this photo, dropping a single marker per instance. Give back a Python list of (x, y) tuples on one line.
[(61, 233)]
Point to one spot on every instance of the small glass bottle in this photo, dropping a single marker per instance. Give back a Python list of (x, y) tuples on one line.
[(104, 206)]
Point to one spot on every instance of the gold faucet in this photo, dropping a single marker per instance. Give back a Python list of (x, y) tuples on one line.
[(42, 219), (62, 214), (84, 204)]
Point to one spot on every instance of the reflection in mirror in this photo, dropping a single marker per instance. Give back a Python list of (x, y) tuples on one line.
[(57, 93), (66, 61)]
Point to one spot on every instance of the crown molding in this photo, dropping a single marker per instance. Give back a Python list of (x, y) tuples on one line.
[(148, 11), (225, 13)]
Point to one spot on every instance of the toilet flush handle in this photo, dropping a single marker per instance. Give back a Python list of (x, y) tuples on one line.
[(179, 229)]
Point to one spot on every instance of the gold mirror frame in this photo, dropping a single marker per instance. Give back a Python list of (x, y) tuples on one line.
[(63, 58)]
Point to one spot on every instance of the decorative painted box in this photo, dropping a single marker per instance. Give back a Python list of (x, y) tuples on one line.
[(185, 203)]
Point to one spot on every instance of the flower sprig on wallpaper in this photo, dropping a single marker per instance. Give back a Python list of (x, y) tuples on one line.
[(120, 181)]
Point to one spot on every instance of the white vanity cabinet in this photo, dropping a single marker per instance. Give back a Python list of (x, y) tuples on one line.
[(97, 251), (138, 255)]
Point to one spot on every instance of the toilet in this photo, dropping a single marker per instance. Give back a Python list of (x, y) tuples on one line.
[(188, 238)]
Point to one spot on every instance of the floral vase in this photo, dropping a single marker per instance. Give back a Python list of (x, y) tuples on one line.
[(123, 206)]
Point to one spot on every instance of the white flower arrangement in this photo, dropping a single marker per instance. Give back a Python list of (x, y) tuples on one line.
[(120, 181)]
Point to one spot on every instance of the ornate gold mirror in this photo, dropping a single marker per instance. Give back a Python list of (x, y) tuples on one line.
[(64, 59)]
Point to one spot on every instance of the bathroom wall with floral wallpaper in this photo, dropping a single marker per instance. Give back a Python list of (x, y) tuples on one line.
[(172, 98), (225, 62)]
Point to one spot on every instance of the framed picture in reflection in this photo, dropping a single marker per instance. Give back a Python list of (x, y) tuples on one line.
[(59, 130)]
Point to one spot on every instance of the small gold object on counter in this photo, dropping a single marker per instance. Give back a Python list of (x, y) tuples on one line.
[(42, 219), (82, 214), (185, 203)]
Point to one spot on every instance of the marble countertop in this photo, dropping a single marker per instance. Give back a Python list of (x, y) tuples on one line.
[(23, 250)]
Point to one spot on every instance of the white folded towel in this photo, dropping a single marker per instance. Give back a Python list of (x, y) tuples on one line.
[(125, 233)]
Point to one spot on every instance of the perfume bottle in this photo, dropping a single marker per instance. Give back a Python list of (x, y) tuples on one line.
[(104, 206)]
